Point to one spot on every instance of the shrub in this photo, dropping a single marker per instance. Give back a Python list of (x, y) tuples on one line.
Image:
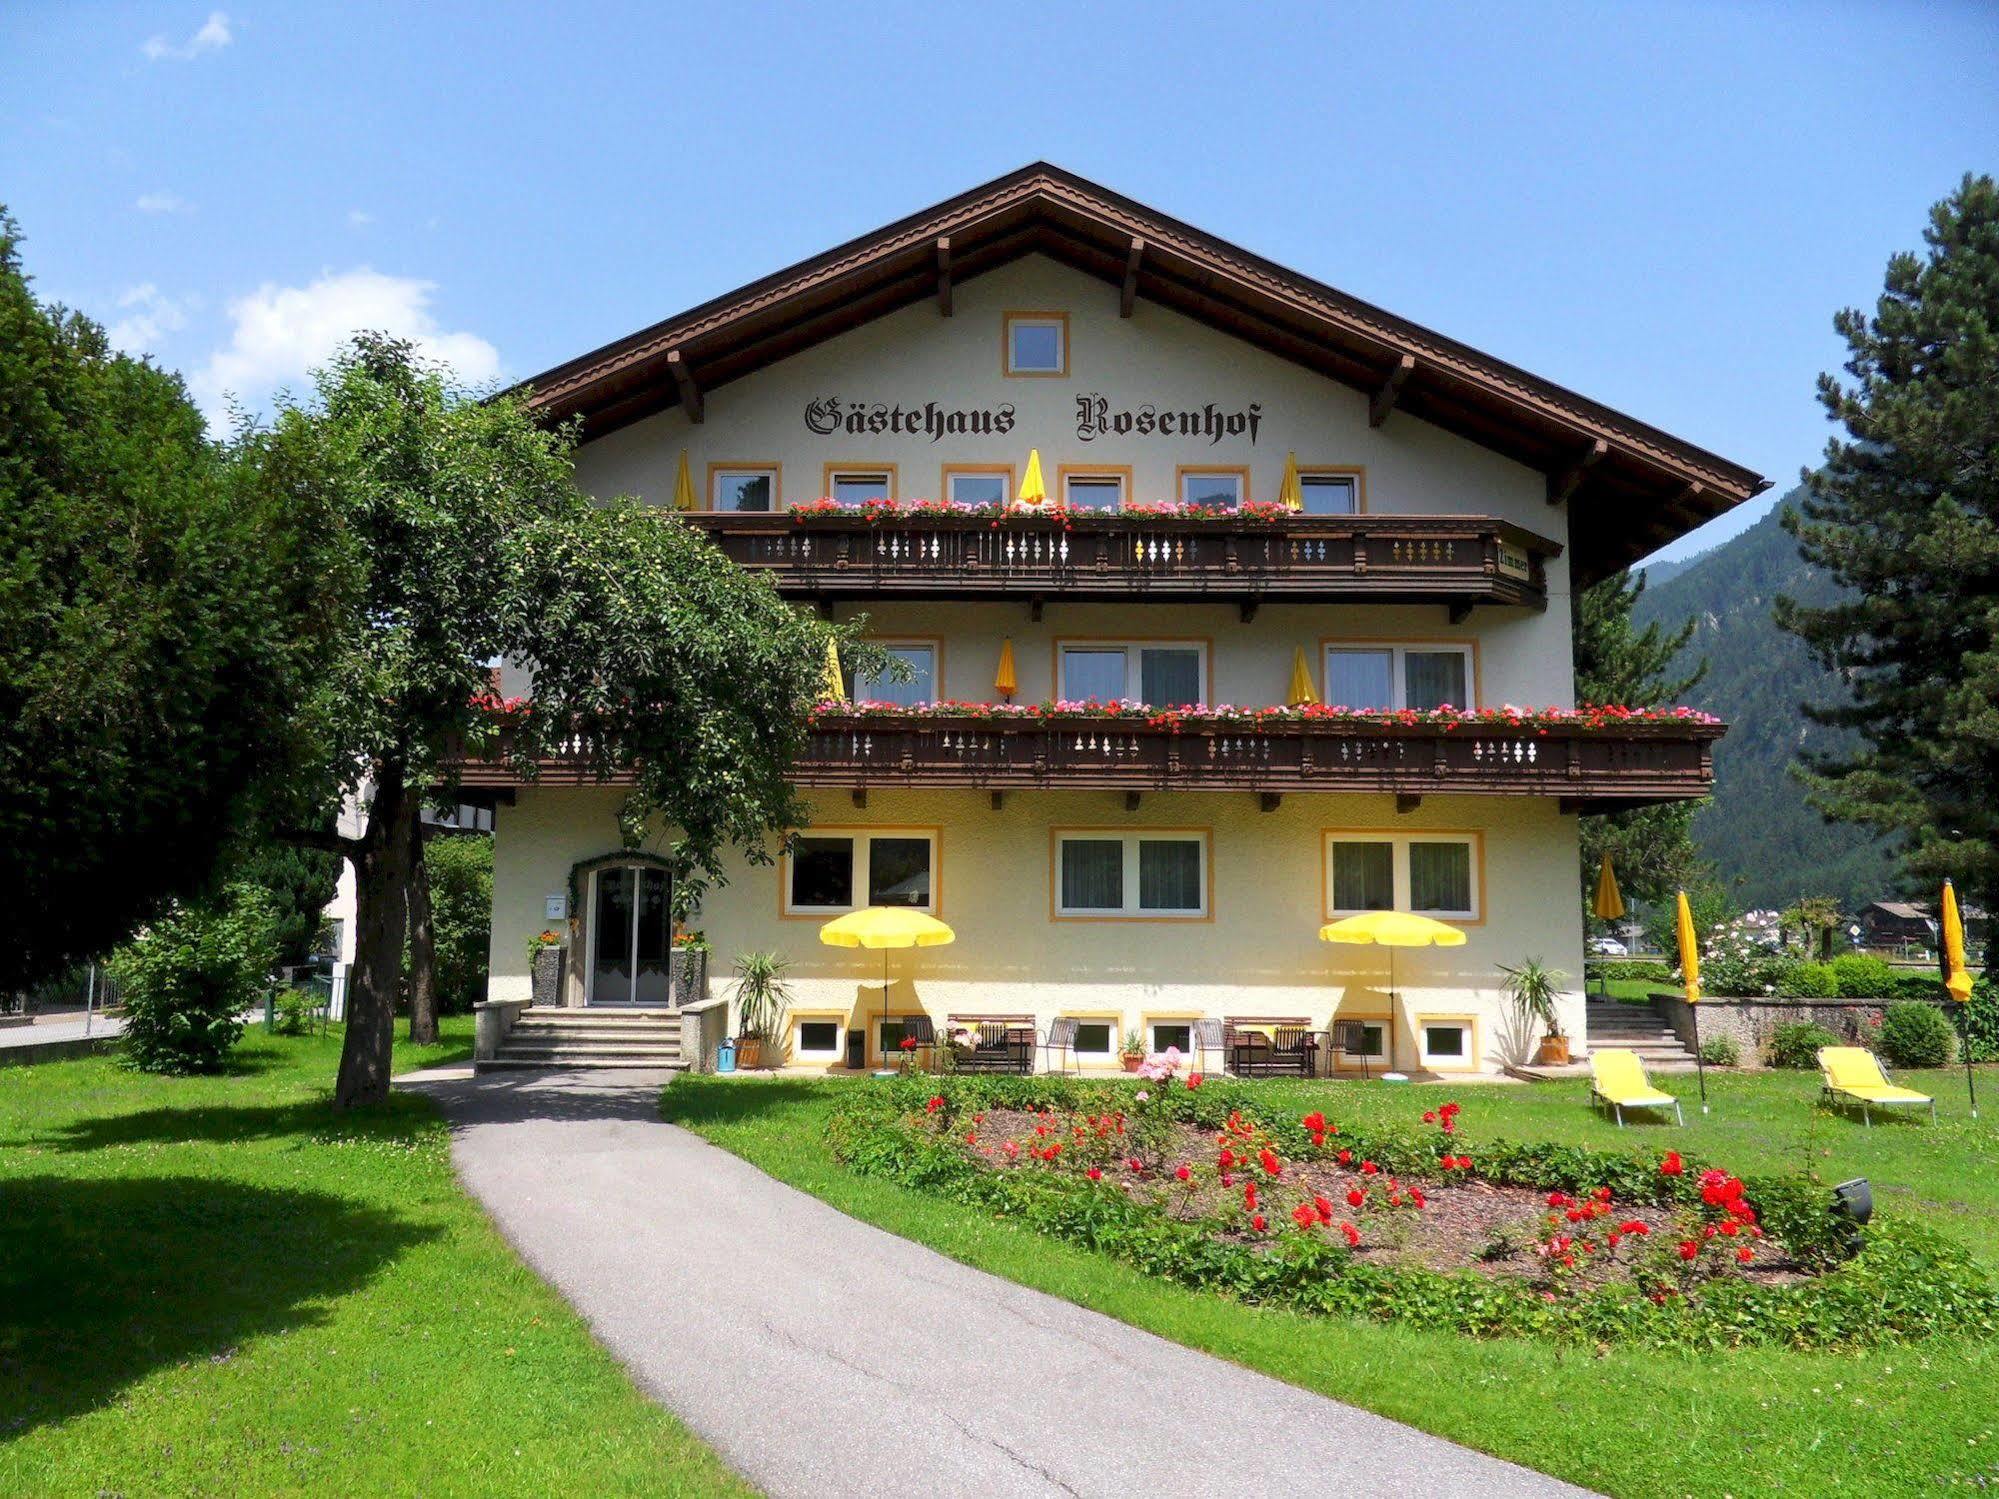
[(1808, 981), (1643, 970), (1917, 988), (188, 978), (1981, 1021), (1916, 1035), (1862, 976), (1742, 958), (1721, 1052), (1797, 1044), (461, 918)]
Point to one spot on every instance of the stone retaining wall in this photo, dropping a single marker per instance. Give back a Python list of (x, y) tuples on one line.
[(1750, 1022)]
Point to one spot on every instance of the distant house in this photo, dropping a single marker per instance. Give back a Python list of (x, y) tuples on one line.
[(1896, 923)]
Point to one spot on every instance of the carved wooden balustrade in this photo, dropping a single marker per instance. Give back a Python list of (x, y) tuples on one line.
[(1590, 767), (1459, 560)]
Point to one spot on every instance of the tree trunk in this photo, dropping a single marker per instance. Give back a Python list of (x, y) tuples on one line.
[(381, 897), (422, 945)]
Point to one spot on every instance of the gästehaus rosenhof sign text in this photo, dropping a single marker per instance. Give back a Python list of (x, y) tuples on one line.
[(1095, 417)]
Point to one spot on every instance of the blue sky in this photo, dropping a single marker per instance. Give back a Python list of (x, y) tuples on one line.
[(1660, 206)]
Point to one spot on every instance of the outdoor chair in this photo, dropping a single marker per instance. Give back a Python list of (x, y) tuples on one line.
[(1289, 1051), (1350, 1037), (1854, 1074), (1061, 1039), (1208, 1036), (1618, 1082)]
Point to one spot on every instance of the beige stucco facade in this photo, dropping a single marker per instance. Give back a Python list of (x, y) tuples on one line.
[(1253, 951)]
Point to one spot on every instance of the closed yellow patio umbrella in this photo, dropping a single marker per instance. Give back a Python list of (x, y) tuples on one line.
[(1005, 681), (1392, 929), (1957, 981), (835, 688), (1690, 970), (881, 928), (1301, 681), (683, 486), (1290, 494), (1033, 489), (1609, 902)]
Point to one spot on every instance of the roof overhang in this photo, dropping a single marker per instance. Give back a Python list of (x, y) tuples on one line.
[(1630, 488)]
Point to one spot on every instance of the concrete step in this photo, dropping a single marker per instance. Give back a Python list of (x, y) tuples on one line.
[(637, 1019), (595, 1063), (538, 1047), (667, 1028)]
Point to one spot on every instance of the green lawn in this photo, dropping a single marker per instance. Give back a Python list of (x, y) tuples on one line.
[(211, 1285), (1628, 1423)]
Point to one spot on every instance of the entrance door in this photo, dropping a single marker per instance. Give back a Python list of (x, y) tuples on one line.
[(631, 936)]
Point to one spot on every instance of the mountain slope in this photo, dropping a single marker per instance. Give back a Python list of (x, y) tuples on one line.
[(1758, 831)]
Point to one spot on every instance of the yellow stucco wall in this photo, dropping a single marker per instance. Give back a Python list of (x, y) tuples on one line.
[(1257, 954)]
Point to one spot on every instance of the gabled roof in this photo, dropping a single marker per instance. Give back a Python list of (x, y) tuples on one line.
[(1630, 487)]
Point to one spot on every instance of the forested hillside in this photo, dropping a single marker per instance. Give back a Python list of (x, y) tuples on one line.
[(1758, 831)]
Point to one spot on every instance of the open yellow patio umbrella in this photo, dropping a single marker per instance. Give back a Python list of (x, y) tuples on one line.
[(883, 927), (1690, 970), (1033, 489), (1289, 493), (835, 687), (683, 486), (1957, 980), (1392, 929), (1301, 681), (1005, 682)]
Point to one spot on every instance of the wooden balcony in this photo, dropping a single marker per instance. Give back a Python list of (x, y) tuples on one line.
[(1456, 560), (1590, 769)]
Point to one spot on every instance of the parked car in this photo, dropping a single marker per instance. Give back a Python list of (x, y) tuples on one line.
[(1607, 947)]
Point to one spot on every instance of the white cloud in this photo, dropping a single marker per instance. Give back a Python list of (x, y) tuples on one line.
[(162, 203), (150, 318), (359, 218), (281, 333), (213, 36)]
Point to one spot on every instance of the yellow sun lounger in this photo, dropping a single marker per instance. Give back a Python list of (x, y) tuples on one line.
[(1851, 1072), (1618, 1082)]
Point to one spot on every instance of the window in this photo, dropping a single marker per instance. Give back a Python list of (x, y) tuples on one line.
[(1094, 1038), (1173, 1033), (1431, 874), (1329, 493), (838, 871), (1399, 676), (1093, 491), (978, 486), (1448, 1041), (1223, 487), (856, 486), (818, 1038), (889, 1034), (1165, 676), (1159, 875), (745, 488), (1373, 1040), (1037, 343), (921, 659)]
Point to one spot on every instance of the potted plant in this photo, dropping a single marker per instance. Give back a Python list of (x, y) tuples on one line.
[(1133, 1052), (763, 995), (1532, 988)]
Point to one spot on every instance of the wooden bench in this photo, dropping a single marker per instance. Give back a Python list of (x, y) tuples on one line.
[(1291, 1049), (1003, 1043)]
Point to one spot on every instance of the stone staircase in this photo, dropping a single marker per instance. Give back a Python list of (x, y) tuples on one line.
[(547, 1036), (1638, 1028)]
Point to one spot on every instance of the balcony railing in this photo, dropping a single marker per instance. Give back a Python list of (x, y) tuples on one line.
[(1458, 560), (1589, 767)]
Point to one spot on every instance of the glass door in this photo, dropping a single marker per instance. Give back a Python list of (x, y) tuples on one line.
[(631, 936)]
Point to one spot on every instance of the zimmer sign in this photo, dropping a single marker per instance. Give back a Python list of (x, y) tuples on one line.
[(1095, 417)]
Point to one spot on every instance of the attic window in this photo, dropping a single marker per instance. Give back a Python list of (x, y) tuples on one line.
[(1037, 343)]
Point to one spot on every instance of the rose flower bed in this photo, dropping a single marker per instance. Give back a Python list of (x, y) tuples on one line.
[(1188, 1181)]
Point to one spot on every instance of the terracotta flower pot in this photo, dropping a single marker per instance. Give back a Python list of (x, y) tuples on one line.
[(1554, 1052), (749, 1051), (1131, 1064)]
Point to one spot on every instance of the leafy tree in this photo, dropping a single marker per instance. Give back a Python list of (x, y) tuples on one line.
[(1905, 515), (460, 870), (189, 976), (455, 535), (300, 882), (152, 620), (1651, 848)]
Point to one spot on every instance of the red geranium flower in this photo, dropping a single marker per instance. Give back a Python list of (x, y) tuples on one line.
[(1345, 1157), (1249, 1197), (1635, 1226), (934, 1105), (1368, 1168), (1429, 1116), (1257, 1223), (1094, 1174), (1688, 1249), (1193, 1079), (1671, 1165), (1745, 1254), (1323, 1208), (1303, 1216), (1355, 1197), (1352, 1235), (1267, 1158), (1314, 1121), (1185, 1173)]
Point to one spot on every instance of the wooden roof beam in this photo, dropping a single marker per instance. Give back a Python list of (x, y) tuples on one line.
[(1566, 481), (690, 394), (1127, 296), (944, 275), (1383, 401)]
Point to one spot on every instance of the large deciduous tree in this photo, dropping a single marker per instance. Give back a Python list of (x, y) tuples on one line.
[(154, 621), (1652, 848), (1904, 514), (460, 538)]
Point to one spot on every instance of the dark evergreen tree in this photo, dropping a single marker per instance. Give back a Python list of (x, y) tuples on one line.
[(1651, 848), (1904, 515)]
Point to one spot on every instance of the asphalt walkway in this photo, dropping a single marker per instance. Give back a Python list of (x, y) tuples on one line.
[(821, 1356)]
